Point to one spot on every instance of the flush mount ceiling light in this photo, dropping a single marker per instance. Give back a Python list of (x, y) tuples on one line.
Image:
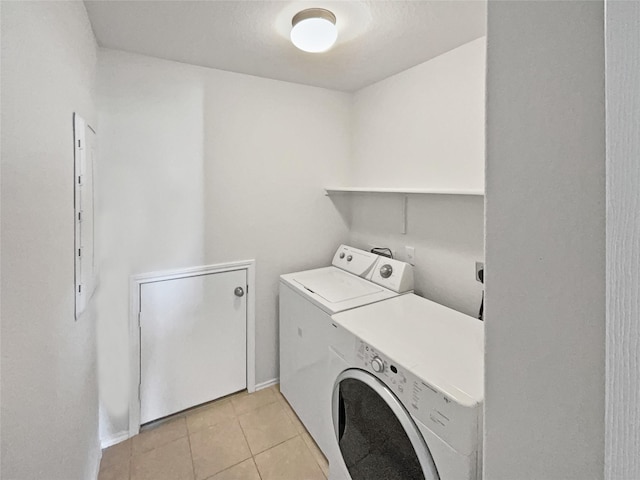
[(314, 30)]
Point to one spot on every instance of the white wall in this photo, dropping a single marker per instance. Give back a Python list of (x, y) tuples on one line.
[(422, 128), (49, 388), (446, 232), (204, 166), (623, 241), (545, 241)]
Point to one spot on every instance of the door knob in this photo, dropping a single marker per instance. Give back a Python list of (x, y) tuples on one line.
[(239, 292)]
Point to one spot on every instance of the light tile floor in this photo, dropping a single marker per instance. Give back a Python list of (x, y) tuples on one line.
[(241, 437)]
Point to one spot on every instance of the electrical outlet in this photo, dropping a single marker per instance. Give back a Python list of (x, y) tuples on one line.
[(411, 255), (480, 272)]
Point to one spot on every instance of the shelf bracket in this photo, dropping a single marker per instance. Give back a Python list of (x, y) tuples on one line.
[(405, 204)]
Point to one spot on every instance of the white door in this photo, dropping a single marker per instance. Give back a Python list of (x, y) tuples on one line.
[(192, 341)]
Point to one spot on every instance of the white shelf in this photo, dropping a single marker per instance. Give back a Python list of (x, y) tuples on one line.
[(405, 191)]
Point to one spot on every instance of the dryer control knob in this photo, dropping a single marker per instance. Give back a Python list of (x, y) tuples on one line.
[(341, 254), (377, 364), (349, 258), (386, 271)]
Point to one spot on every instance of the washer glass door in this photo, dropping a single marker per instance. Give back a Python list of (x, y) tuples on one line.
[(376, 435)]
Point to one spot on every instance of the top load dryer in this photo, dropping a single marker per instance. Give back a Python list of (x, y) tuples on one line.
[(307, 301)]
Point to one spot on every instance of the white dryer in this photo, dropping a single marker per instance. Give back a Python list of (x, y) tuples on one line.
[(408, 392), (307, 301)]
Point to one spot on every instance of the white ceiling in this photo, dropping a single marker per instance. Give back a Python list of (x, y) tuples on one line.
[(376, 38)]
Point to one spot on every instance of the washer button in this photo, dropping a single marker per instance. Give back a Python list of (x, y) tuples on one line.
[(377, 365), (386, 271)]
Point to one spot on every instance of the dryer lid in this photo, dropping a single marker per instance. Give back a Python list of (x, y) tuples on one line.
[(335, 285)]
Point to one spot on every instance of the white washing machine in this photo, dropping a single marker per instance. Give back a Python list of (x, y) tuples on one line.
[(307, 301), (408, 392)]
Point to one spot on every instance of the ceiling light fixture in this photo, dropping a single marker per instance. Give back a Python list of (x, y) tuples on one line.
[(314, 30)]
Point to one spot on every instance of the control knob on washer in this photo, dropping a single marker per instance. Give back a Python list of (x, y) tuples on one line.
[(377, 364), (386, 270)]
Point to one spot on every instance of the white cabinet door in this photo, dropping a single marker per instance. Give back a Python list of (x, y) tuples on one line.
[(192, 341)]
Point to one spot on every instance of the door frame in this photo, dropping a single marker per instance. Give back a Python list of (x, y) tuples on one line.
[(136, 282)]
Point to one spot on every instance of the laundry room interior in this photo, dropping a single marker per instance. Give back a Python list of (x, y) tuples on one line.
[(184, 186), (246, 252)]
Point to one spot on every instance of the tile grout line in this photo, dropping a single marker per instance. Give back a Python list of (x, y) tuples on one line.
[(180, 417), (309, 448), (253, 459), (230, 466), (193, 464), (275, 445), (299, 435), (244, 435), (235, 465), (236, 417)]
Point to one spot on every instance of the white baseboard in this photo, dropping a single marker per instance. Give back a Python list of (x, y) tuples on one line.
[(267, 384), (115, 438)]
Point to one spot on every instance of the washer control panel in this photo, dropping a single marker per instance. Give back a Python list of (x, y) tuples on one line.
[(393, 274), (386, 272), (354, 260), (454, 423)]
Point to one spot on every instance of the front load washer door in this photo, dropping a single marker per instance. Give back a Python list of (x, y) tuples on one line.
[(377, 437)]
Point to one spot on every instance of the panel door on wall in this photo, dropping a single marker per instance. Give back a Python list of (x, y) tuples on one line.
[(85, 153), (192, 341)]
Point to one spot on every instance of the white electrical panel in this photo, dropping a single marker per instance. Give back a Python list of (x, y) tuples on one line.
[(84, 147)]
